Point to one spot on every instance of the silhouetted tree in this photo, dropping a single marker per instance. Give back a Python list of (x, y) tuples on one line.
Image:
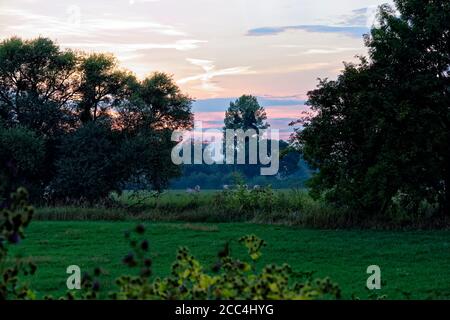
[(381, 131), (98, 125), (102, 85), (246, 113)]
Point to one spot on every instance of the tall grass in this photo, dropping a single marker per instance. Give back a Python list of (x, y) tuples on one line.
[(241, 204), (262, 205)]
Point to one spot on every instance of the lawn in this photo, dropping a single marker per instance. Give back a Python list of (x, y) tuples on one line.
[(412, 262)]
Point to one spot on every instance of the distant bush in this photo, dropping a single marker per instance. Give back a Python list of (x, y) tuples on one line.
[(244, 202)]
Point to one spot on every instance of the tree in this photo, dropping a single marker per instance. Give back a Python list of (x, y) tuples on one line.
[(289, 160), (148, 156), (156, 103), (102, 86), (147, 117), (37, 82), (246, 113), (381, 130), (86, 114)]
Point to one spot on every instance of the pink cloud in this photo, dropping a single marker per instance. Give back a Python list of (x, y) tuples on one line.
[(210, 116), (285, 111)]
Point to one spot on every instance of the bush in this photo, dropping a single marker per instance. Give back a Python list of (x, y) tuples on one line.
[(244, 203), (22, 154), (90, 166)]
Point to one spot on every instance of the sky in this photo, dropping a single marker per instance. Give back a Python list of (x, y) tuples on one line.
[(216, 50)]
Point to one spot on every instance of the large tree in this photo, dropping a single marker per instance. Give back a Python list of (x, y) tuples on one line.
[(380, 136), (147, 118), (103, 85), (97, 125), (155, 103), (37, 82), (248, 115)]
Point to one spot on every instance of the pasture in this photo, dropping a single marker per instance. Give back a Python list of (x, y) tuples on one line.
[(414, 264)]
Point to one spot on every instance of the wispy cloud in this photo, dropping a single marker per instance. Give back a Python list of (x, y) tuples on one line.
[(329, 50), (148, 35), (321, 51), (352, 31), (181, 45), (210, 72), (142, 1), (132, 25), (291, 68), (74, 23), (354, 24), (360, 17)]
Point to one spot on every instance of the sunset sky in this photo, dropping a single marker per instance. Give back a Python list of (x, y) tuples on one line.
[(215, 49)]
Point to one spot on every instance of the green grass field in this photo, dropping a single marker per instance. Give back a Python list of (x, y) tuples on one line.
[(414, 262)]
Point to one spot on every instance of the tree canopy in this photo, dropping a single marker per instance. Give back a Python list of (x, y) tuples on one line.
[(380, 134), (94, 125), (245, 113)]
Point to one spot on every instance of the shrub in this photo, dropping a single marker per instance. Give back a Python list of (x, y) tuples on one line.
[(245, 203), (21, 157), (89, 167)]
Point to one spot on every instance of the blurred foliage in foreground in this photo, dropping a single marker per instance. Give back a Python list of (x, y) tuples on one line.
[(15, 215)]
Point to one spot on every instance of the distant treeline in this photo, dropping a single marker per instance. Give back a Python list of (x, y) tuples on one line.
[(293, 173)]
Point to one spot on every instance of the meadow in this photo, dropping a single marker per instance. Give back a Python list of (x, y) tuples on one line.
[(414, 264), (300, 231)]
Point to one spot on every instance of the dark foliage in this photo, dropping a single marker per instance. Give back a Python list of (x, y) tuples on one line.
[(380, 134), (75, 126)]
